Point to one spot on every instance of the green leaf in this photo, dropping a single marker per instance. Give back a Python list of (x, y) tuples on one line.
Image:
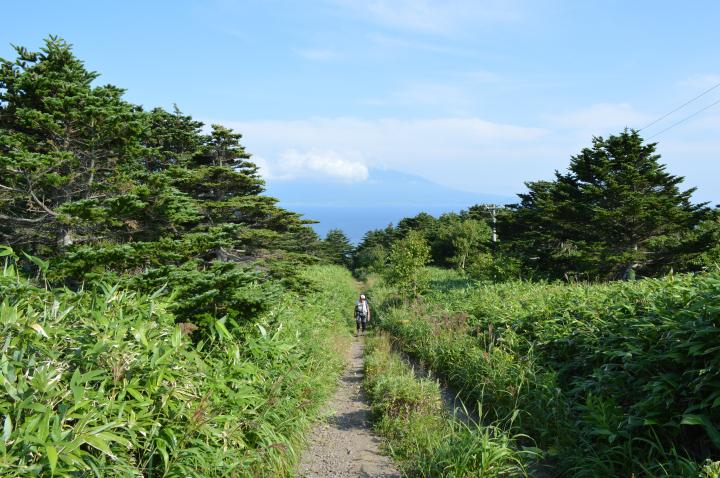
[(692, 420), (222, 331), (99, 442), (135, 394), (112, 437), (7, 428), (176, 338), (160, 446), (43, 265), (52, 456), (7, 251)]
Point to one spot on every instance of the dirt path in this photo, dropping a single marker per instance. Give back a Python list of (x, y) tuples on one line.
[(344, 446)]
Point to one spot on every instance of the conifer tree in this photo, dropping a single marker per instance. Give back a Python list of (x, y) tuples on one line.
[(337, 247), (617, 211), (62, 141), (370, 254), (106, 189)]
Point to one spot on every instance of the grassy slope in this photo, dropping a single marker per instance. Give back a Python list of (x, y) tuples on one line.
[(422, 437), (609, 379), (105, 383)]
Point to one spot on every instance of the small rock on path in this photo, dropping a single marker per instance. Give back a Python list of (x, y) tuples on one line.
[(344, 445)]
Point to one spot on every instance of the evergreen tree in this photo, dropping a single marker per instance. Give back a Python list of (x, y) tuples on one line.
[(424, 223), (108, 190), (484, 212), (170, 139), (63, 141), (337, 248), (370, 254), (708, 236), (616, 211)]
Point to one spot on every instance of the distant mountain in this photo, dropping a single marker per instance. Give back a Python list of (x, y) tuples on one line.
[(385, 197)]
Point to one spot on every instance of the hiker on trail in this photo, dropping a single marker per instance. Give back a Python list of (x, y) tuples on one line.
[(362, 313)]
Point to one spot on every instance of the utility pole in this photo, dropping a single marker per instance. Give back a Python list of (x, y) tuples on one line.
[(493, 210)]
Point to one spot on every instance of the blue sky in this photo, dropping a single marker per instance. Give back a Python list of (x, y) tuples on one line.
[(476, 95)]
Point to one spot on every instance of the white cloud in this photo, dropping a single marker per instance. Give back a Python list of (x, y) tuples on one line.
[(466, 152), (321, 164), (439, 96)]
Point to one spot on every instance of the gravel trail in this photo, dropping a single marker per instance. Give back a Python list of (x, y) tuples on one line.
[(343, 446)]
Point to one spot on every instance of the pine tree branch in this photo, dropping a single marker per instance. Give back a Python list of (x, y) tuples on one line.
[(22, 220), (42, 205), (8, 188)]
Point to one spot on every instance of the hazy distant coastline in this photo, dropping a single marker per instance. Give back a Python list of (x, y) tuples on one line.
[(386, 197)]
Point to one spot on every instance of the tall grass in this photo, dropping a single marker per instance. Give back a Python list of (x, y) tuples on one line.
[(421, 435), (103, 382), (614, 379)]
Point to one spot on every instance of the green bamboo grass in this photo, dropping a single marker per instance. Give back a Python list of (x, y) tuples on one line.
[(422, 437), (103, 382), (615, 379)]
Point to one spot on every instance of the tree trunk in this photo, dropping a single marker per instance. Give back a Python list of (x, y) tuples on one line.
[(221, 254)]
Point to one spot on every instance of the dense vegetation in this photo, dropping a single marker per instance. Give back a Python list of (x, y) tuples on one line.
[(424, 438), (607, 379), (106, 190), (619, 379), (104, 382)]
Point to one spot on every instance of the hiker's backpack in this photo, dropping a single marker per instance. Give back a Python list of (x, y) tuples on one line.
[(361, 309)]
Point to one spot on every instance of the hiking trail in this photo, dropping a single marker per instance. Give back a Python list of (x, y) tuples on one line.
[(343, 445)]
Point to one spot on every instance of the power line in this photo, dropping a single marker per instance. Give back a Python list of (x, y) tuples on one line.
[(680, 107), (685, 118)]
